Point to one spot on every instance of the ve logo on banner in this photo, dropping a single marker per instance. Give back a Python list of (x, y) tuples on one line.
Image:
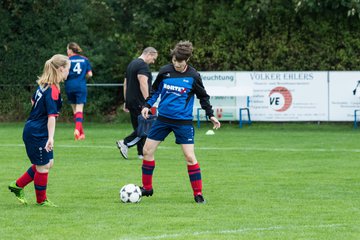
[(280, 99)]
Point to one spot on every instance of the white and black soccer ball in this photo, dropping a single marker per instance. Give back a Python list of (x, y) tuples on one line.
[(130, 193)]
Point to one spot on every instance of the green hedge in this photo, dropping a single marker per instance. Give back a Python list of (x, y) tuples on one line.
[(264, 35)]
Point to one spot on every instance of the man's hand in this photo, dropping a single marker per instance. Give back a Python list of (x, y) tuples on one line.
[(125, 109)]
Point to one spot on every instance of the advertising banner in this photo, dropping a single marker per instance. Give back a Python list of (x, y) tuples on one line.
[(282, 96), (225, 103), (289, 96), (342, 100)]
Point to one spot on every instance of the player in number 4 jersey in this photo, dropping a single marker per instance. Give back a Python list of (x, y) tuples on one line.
[(75, 86)]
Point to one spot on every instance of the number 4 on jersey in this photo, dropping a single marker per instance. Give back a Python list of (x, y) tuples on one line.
[(77, 68)]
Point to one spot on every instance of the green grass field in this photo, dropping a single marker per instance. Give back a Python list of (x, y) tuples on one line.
[(266, 181)]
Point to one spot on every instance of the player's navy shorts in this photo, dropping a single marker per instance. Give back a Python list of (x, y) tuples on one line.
[(35, 149), (78, 97), (184, 134)]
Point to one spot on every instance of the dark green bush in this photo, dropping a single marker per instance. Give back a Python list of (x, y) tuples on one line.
[(264, 35)]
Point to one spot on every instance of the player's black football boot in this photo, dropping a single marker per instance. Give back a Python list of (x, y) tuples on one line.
[(199, 199), (145, 192)]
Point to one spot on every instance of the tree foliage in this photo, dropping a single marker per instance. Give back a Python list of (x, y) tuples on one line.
[(259, 35)]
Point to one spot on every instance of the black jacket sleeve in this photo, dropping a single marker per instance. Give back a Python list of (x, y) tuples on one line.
[(204, 98)]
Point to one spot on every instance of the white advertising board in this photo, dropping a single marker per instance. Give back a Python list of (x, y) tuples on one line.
[(228, 91), (289, 96), (283, 96), (342, 101)]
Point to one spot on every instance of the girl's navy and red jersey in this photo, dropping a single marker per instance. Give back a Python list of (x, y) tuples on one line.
[(46, 102), (176, 91), (76, 80)]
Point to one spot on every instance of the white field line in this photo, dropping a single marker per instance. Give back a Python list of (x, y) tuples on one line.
[(264, 149), (236, 231)]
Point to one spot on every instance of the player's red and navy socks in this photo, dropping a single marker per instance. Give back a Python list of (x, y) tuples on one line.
[(195, 178), (40, 183), (147, 173), (27, 177), (79, 118)]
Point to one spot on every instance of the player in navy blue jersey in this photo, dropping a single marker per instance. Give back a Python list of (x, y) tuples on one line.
[(75, 86), (39, 130), (137, 85), (176, 85)]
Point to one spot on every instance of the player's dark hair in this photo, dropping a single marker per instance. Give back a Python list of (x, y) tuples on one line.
[(74, 47), (182, 51)]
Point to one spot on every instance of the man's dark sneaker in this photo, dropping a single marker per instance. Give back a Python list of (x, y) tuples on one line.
[(199, 199), (145, 192)]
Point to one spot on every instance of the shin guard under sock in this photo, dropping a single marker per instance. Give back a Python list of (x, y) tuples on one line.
[(195, 178), (40, 183), (147, 173), (27, 177)]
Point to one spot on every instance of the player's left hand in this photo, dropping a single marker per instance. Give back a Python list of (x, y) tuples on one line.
[(216, 122), (145, 112), (49, 145)]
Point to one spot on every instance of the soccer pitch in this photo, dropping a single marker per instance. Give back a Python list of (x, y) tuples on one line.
[(266, 181)]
